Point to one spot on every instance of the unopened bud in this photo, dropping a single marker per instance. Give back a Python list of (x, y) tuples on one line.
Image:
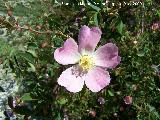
[(128, 100), (92, 113)]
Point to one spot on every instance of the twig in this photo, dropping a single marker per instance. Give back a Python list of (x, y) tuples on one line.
[(55, 88), (7, 24), (32, 30)]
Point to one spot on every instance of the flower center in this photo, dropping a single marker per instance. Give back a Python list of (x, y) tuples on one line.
[(86, 62)]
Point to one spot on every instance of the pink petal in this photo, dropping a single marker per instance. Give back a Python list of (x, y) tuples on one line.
[(71, 79), (68, 54), (88, 38), (107, 56), (96, 79)]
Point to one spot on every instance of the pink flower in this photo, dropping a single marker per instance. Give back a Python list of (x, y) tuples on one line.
[(155, 26), (89, 65), (128, 100)]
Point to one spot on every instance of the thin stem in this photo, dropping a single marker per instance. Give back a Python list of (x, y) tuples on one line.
[(7, 24)]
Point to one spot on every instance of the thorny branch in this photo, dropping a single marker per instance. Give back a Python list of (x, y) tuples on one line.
[(6, 24)]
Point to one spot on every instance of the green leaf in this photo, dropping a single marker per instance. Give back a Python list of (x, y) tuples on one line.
[(158, 13), (27, 56), (32, 67), (141, 54), (120, 27), (63, 101), (153, 110), (26, 97), (96, 18), (58, 117), (93, 6), (32, 46), (5, 48), (110, 93), (32, 52)]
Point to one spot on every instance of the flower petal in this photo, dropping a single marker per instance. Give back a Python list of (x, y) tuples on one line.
[(88, 38), (71, 79), (68, 54), (107, 56), (96, 79)]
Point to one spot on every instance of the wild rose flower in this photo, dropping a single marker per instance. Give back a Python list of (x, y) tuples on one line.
[(89, 66)]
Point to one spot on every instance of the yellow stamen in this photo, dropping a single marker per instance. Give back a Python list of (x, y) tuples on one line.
[(86, 62)]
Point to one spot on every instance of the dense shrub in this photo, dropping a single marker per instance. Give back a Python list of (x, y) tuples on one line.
[(35, 28)]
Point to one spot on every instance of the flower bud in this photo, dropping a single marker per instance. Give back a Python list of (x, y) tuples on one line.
[(92, 113), (128, 100)]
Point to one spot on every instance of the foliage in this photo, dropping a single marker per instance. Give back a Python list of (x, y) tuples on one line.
[(38, 27)]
